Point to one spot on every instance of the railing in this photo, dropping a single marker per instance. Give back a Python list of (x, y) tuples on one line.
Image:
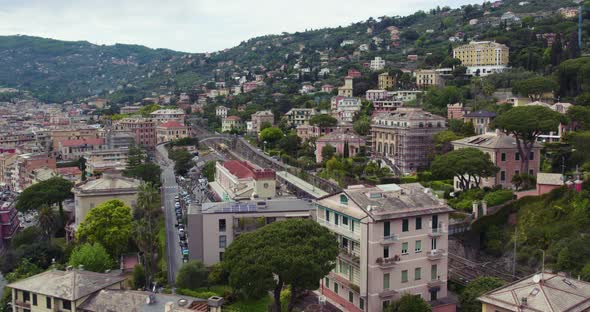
[(438, 231), (387, 293), (389, 239), (435, 254), (339, 229), (387, 262), (435, 283), (349, 255)]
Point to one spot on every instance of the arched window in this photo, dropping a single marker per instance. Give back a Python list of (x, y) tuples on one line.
[(343, 200), (385, 149)]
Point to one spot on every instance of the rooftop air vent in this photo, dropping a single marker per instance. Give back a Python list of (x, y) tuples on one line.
[(182, 302)]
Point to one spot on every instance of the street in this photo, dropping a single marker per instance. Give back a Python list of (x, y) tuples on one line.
[(169, 190)]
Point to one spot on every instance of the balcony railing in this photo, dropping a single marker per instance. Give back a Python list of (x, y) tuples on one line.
[(435, 254), (436, 232), (339, 229), (350, 256), (386, 240), (387, 293), (437, 283), (387, 262)]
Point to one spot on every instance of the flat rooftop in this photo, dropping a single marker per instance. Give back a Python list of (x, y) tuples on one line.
[(303, 185), (254, 206)]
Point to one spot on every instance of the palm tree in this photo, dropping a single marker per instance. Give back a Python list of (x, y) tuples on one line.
[(48, 221), (146, 227)]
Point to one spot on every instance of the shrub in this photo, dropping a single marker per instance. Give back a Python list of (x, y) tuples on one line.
[(498, 197)]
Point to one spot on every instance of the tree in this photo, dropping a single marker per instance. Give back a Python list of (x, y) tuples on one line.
[(271, 136), (295, 252), (192, 275), (346, 151), (48, 221), (476, 288), (362, 126), (109, 224), (323, 121), (290, 144), (461, 128), (583, 99), (573, 49), (45, 193), (469, 165), (147, 172), (183, 160), (217, 275), (82, 167), (526, 123), (24, 269), (409, 303), (208, 170), (139, 280), (328, 151), (136, 157), (535, 87), (94, 257), (146, 226)]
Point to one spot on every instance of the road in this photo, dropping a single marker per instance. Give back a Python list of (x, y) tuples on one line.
[(169, 190)]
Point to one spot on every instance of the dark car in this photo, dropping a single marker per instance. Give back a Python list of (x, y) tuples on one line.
[(182, 236), (183, 244)]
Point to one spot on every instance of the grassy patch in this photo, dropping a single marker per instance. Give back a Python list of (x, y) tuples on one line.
[(250, 305)]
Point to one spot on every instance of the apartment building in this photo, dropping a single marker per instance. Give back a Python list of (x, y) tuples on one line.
[(384, 106), (132, 109), (164, 115), (230, 123), (504, 154), (306, 132), (483, 57), (377, 95), (261, 117), (543, 291), (103, 160), (74, 149), (221, 111), (7, 161), (73, 133), (56, 290), (346, 89), (26, 164), (456, 111), (406, 136), (480, 120), (171, 130), (212, 227), (143, 129), (341, 141), (386, 82), (393, 240), (426, 78), (377, 64), (300, 116), (9, 221), (347, 108)]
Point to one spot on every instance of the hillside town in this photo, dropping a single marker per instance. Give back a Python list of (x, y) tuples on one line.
[(411, 166)]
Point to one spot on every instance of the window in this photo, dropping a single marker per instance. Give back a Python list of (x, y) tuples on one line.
[(385, 252), (361, 303), (385, 304), (503, 156), (222, 241), (404, 248), (502, 175), (343, 267), (405, 225), (517, 156), (433, 244), (417, 274), (418, 247), (26, 296), (343, 200), (328, 215), (404, 276), (48, 302), (386, 281), (327, 282), (350, 296), (344, 242), (66, 304), (221, 256), (433, 272), (221, 225), (532, 156), (336, 219), (531, 172), (34, 299), (418, 223), (386, 229), (344, 220), (336, 287)]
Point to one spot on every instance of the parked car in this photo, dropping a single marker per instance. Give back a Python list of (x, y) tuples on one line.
[(176, 205), (182, 236), (183, 244)]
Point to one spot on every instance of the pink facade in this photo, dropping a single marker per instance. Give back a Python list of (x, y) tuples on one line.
[(386, 106), (376, 95), (9, 221), (339, 141), (354, 73), (144, 130), (306, 132)]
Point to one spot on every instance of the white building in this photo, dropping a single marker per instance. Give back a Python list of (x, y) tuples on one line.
[(377, 64)]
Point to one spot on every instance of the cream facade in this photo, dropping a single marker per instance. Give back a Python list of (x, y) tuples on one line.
[(346, 89), (385, 81), (428, 78), (483, 57), (393, 240)]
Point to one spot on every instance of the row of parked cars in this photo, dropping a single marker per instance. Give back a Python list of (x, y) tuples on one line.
[(181, 230)]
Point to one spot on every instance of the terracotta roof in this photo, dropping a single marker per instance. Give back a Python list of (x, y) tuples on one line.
[(236, 118), (80, 142), (171, 124), (69, 171), (238, 168)]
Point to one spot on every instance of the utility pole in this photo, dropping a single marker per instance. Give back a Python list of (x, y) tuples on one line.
[(514, 256)]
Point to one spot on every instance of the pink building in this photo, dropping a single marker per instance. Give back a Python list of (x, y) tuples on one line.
[(456, 111), (384, 106), (327, 88), (249, 86), (340, 141), (546, 182), (354, 73), (144, 130), (393, 240), (306, 132), (504, 154), (376, 95), (260, 118), (9, 222)]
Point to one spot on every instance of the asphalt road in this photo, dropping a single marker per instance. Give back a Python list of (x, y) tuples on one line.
[(169, 190)]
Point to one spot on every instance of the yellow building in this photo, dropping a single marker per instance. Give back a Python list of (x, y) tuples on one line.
[(428, 78), (386, 82), (346, 89), (483, 57), (110, 186)]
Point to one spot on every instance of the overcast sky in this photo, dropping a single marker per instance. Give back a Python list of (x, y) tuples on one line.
[(190, 25)]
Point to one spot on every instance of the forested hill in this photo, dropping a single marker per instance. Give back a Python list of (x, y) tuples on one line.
[(57, 70)]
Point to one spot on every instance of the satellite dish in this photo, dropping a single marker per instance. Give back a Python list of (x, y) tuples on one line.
[(537, 278)]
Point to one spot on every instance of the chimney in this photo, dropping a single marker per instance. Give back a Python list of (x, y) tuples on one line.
[(215, 303)]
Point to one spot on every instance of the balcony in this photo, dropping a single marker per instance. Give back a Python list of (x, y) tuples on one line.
[(387, 262), (435, 254), (350, 256), (435, 284), (387, 293), (437, 232), (340, 229), (386, 240)]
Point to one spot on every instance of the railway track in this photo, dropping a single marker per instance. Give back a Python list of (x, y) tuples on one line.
[(463, 270)]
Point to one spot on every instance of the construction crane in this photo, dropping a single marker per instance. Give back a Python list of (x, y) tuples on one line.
[(580, 16)]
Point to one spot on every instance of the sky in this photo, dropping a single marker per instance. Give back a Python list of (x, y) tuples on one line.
[(191, 25)]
